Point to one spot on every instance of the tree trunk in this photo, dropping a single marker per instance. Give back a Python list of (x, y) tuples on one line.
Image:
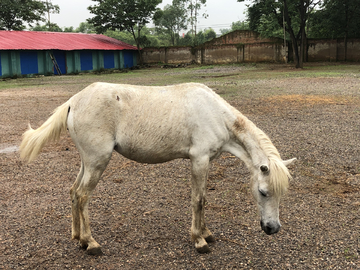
[(346, 28), (302, 48), (137, 43), (294, 41), (304, 4)]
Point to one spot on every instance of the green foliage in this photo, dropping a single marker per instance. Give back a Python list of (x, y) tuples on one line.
[(129, 15), (52, 27), (269, 28), (121, 14), (239, 25), (269, 17), (305, 18), (200, 38), (336, 19), (85, 27), (209, 34), (333, 19), (266, 18), (121, 35), (193, 7), (147, 37), (171, 20), (187, 40), (15, 13), (69, 29)]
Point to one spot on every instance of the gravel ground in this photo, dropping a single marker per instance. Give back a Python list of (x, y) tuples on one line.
[(140, 213)]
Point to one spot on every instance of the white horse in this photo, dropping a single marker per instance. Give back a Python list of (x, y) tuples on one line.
[(159, 124)]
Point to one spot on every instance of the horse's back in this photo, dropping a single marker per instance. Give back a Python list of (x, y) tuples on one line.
[(151, 123)]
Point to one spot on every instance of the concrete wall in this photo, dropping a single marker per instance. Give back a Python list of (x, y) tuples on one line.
[(215, 54), (173, 55), (235, 47), (247, 46), (333, 50), (219, 54)]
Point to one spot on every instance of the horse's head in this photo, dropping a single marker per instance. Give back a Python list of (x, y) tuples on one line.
[(269, 182)]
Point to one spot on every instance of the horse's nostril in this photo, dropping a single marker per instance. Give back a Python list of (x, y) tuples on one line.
[(268, 228)]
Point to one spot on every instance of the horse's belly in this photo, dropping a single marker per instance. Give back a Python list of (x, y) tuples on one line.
[(152, 155)]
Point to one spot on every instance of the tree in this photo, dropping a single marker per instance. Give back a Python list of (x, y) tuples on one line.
[(15, 13), (52, 27), (51, 9), (150, 40), (201, 37), (171, 20), (239, 25), (337, 19), (85, 27), (129, 15), (209, 34), (69, 29), (187, 40), (122, 36), (193, 7), (289, 14)]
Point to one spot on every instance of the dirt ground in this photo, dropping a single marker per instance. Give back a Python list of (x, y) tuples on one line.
[(140, 213)]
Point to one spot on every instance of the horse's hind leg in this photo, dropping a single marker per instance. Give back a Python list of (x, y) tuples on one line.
[(95, 155), (75, 228), (200, 234), (93, 169)]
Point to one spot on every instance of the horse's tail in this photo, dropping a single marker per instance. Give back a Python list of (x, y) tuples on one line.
[(34, 140)]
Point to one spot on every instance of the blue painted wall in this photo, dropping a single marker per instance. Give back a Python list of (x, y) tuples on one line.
[(29, 62), (128, 59), (86, 60), (109, 60), (60, 57)]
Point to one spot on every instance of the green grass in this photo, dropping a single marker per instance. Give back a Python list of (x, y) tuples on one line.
[(228, 79)]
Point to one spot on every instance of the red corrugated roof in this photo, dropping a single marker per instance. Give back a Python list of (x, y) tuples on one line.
[(30, 40)]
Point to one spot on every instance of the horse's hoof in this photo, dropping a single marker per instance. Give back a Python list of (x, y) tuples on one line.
[(203, 249), (210, 239), (83, 245), (94, 251), (201, 246), (75, 237)]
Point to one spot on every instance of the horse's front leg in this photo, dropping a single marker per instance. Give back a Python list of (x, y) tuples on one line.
[(200, 234)]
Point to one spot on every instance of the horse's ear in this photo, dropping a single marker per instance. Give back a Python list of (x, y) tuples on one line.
[(289, 161)]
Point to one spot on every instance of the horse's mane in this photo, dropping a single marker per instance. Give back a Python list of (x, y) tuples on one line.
[(279, 173)]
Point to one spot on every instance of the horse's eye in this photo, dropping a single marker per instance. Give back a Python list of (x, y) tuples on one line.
[(263, 193), (264, 168)]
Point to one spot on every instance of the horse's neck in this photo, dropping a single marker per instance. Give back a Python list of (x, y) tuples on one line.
[(248, 142), (252, 146)]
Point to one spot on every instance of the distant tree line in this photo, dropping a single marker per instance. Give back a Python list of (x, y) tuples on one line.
[(176, 24)]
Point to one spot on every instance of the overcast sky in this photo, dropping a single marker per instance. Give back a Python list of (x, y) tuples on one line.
[(221, 13)]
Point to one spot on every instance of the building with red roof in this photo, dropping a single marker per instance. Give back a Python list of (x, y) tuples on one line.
[(25, 53)]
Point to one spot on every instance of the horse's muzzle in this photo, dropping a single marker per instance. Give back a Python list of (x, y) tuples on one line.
[(270, 227)]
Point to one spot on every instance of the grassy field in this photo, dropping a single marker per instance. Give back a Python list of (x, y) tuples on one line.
[(222, 75)]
